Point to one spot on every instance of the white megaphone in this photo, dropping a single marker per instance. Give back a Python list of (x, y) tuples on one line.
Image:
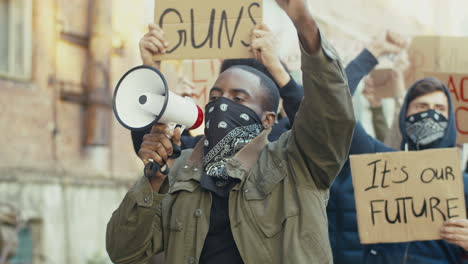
[(142, 99)]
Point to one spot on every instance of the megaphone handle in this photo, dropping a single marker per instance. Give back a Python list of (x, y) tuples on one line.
[(151, 168), (176, 151)]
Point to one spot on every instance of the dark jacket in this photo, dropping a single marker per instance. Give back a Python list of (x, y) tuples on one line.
[(341, 208)]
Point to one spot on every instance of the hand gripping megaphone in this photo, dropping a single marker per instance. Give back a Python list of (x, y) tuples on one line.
[(142, 99)]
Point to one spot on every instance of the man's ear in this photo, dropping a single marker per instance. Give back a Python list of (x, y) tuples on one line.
[(268, 119)]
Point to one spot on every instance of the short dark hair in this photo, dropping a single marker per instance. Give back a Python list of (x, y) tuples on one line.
[(251, 62), (425, 86), (270, 90)]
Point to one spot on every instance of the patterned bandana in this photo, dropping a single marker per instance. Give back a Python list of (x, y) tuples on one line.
[(228, 127), (426, 127)]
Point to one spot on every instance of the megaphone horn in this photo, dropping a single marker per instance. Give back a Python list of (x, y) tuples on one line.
[(142, 99)]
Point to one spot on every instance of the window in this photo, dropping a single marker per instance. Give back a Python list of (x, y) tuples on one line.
[(24, 252), (15, 39)]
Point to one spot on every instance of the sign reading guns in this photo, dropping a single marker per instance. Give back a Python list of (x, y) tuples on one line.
[(206, 29), (406, 196)]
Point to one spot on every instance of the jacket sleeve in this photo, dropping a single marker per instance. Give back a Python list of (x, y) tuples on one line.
[(362, 143), (134, 233), (379, 123), (362, 65), (320, 138), (292, 94)]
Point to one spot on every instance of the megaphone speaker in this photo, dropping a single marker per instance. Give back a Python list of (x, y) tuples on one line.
[(142, 99)]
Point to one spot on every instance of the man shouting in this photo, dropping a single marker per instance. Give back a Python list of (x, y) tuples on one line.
[(237, 198)]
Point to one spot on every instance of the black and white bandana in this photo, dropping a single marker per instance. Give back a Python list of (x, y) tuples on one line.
[(426, 127), (229, 126)]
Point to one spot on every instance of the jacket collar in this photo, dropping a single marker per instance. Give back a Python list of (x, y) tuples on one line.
[(237, 166)]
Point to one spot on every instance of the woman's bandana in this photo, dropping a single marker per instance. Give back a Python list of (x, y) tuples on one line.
[(229, 126), (426, 127)]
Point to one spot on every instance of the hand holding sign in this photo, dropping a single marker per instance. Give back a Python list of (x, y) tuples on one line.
[(264, 47), (152, 44), (455, 231), (207, 29), (407, 196)]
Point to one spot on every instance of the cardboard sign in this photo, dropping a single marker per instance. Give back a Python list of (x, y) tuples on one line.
[(207, 29), (457, 83), (387, 83), (406, 196), (437, 54)]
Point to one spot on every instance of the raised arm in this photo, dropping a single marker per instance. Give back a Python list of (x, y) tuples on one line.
[(362, 65), (387, 43), (359, 67), (322, 132), (265, 50)]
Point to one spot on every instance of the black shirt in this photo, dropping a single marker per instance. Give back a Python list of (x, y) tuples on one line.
[(220, 246)]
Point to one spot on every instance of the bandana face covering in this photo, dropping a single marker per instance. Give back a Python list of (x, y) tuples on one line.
[(229, 126), (426, 127)]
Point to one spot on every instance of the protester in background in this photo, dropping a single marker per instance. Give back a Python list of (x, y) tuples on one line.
[(236, 198), (427, 96), (341, 209)]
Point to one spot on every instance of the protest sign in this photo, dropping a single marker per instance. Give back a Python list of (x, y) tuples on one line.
[(457, 83), (406, 196), (387, 83), (207, 29), (436, 54)]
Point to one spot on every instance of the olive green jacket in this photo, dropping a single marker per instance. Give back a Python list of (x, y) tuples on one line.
[(277, 211)]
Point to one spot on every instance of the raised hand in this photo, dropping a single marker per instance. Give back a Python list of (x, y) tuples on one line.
[(306, 27), (295, 9), (264, 48), (455, 231), (387, 43), (151, 44)]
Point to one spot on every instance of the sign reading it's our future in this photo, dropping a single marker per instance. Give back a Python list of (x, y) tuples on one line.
[(207, 29), (406, 196)]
